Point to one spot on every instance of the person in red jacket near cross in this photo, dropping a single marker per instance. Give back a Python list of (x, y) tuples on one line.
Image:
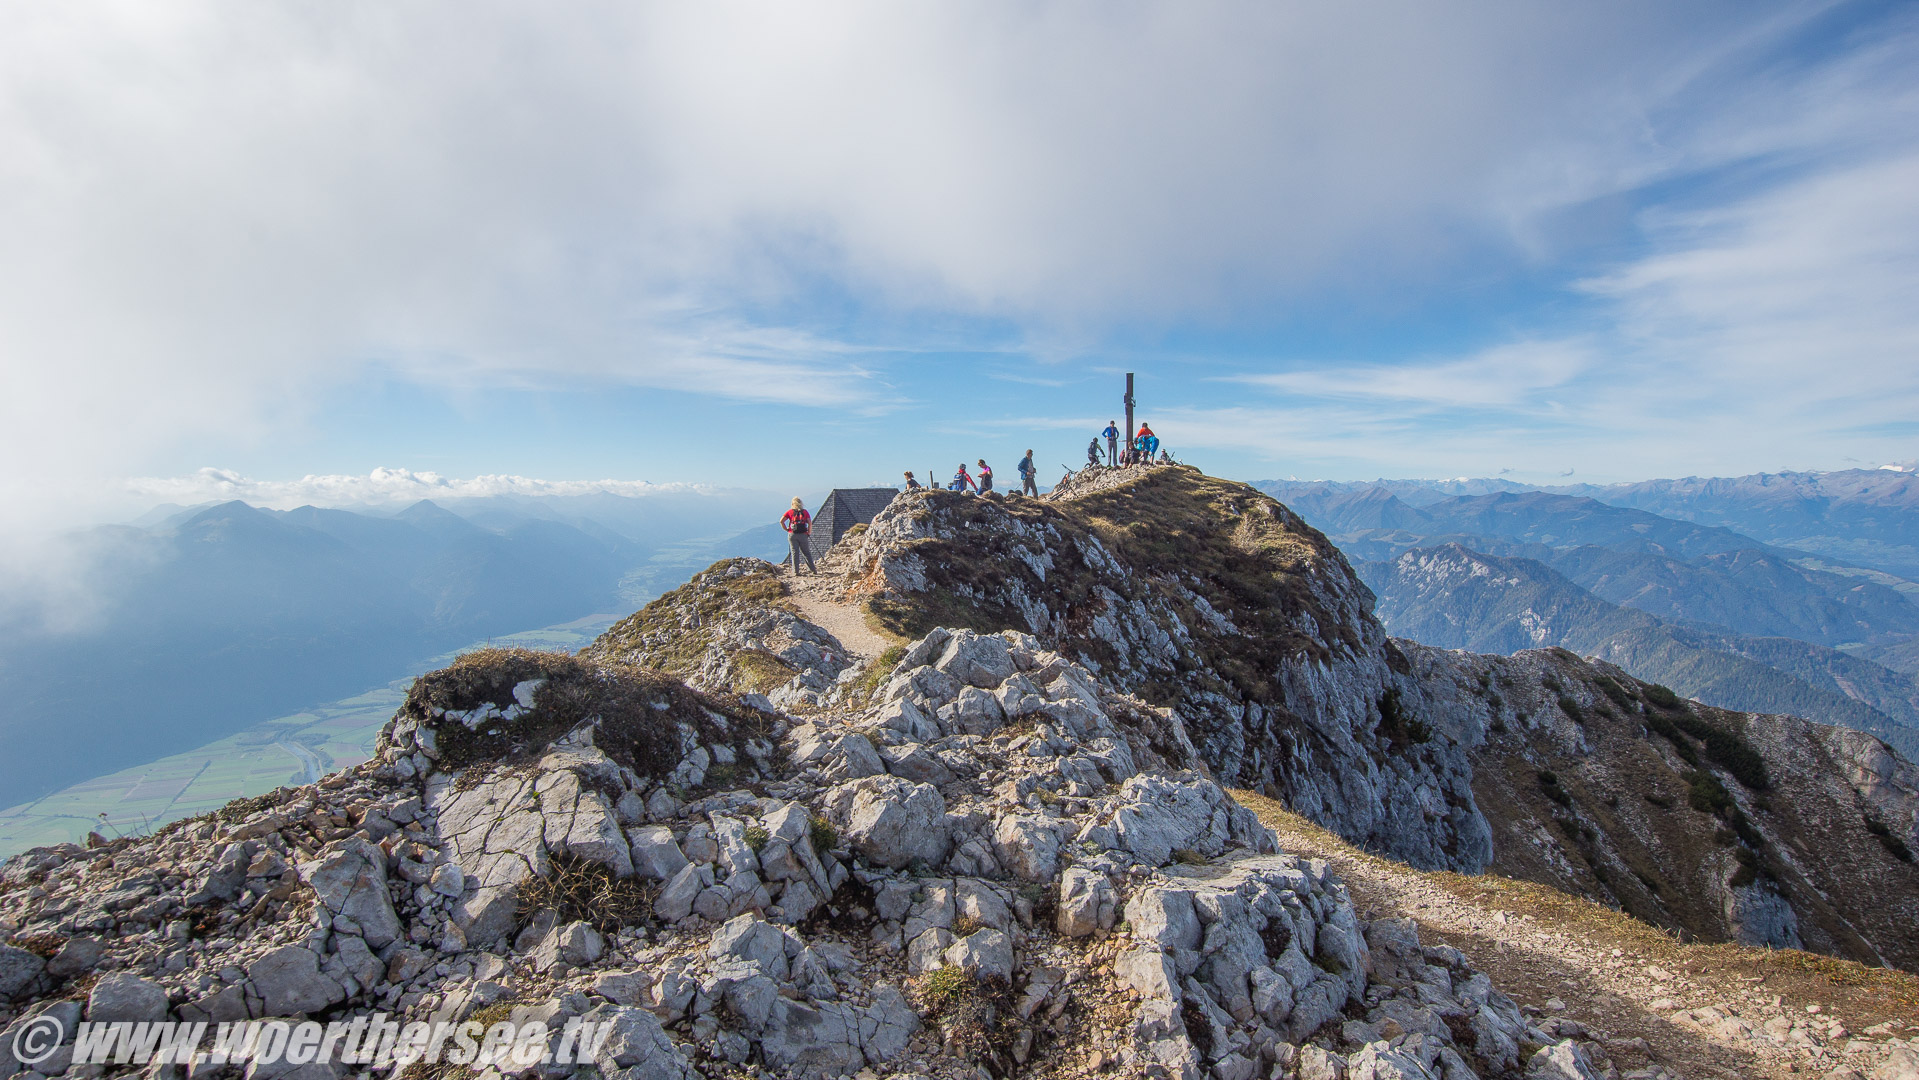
[(799, 526)]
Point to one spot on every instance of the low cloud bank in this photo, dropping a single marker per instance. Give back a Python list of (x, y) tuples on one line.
[(381, 486)]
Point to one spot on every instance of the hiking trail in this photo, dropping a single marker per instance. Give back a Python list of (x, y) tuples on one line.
[(819, 598), (1662, 1008)]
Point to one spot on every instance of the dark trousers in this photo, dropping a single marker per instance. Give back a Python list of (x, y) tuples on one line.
[(1112, 451), (802, 548)]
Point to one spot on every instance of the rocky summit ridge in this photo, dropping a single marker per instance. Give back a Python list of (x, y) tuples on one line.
[(1005, 847)]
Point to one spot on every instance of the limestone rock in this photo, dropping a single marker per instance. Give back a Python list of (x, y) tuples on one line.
[(753, 940), (290, 983), (1563, 1060), (988, 954), (126, 997), (349, 881), (654, 852), (978, 660), (579, 820), (675, 902), (576, 944), (828, 1039), (18, 969), (891, 822), (77, 957), (495, 831), (1901, 1064), (637, 1047), (1028, 847)]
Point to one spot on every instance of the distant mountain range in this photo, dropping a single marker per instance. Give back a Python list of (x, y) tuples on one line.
[(1685, 595), (1867, 517), (213, 618), (1457, 598)]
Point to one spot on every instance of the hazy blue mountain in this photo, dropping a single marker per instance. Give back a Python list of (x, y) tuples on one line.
[(1520, 516), (1864, 516), (1677, 570), (1753, 591), (220, 616), (1902, 656), (1454, 597), (1739, 592), (1411, 492)]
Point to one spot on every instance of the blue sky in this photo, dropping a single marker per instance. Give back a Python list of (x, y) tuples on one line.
[(790, 246)]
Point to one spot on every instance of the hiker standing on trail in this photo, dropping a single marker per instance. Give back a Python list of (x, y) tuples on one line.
[(799, 526), (962, 480), (1112, 442), (911, 483), (1028, 481), (985, 477)]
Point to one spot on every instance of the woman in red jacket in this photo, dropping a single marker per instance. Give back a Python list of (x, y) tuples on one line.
[(799, 525)]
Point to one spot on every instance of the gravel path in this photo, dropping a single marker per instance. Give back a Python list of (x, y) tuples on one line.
[(819, 598), (1661, 1008)]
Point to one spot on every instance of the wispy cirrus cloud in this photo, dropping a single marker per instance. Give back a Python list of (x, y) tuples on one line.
[(1506, 376)]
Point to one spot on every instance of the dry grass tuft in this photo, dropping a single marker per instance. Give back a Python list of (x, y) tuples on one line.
[(583, 891), (41, 945), (637, 713), (756, 671)]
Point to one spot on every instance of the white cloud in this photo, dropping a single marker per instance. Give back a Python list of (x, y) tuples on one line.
[(1751, 332), (1767, 322), (214, 211), (380, 487), (1513, 375), (1795, 301)]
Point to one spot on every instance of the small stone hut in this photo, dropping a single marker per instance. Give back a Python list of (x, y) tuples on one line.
[(843, 509)]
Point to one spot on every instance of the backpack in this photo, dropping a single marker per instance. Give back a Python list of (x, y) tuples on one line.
[(800, 521)]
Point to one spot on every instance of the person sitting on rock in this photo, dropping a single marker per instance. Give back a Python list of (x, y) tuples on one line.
[(962, 480), (799, 526), (985, 477), (911, 483)]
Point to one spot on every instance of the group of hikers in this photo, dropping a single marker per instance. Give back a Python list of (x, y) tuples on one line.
[(799, 524), (1140, 451), (983, 484)]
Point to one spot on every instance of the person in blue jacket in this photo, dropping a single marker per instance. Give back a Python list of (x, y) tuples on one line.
[(1028, 476), (1112, 442)]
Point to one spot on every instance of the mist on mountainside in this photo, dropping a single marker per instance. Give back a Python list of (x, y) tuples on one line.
[(214, 618)]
